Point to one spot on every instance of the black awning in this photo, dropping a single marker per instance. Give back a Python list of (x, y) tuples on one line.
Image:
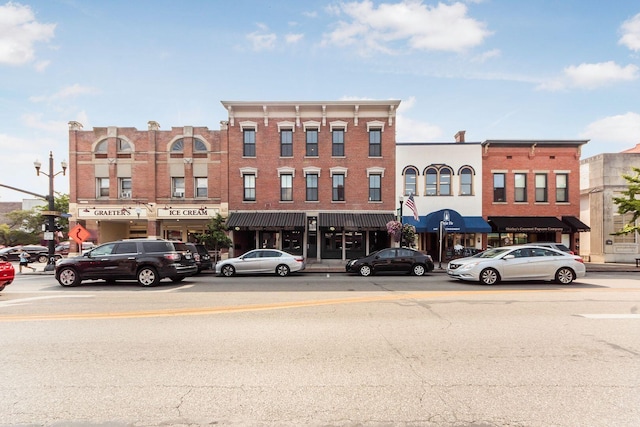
[(355, 221), (575, 224), (527, 224), (260, 220)]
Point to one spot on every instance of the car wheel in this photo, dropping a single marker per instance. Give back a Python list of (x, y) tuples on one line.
[(418, 270), (177, 279), (147, 276), (227, 270), (68, 277), (282, 270), (565, 276), (2, 288), (365, 270), (43, 258), (489, 276)]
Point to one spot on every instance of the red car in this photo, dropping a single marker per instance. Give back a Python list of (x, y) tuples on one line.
[(7, 273)]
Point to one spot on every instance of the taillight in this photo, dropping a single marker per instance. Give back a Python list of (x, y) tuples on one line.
[(173, 256), (299, 259), (579, 259)]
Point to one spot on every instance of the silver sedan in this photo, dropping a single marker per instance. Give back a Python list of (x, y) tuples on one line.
[(518, 263), (256, 261)]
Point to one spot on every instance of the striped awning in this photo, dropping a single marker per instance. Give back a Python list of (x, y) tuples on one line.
[(264, 220), (355, 221)]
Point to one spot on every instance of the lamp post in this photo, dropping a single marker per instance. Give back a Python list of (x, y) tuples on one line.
[(51, 214), (401, 200)]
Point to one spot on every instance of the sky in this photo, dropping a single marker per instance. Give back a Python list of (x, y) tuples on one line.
[(498, 69)]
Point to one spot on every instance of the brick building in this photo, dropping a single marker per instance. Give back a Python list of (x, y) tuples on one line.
[(531, 191), (312, 178), (128, 183)]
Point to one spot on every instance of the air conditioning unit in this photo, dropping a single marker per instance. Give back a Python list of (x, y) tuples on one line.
[(178, 194), (125, 195)]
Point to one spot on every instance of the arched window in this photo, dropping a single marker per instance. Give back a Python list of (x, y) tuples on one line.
[(466, 181), (122, 146), (199, 146), (178, 146), (445, 181), (101, 147), (431, 183), (410, 181)]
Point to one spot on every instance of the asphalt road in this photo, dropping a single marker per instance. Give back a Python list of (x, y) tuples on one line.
[(322, 350)]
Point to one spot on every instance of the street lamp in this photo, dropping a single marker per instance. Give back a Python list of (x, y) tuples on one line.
[(51, 214), (401, 200)]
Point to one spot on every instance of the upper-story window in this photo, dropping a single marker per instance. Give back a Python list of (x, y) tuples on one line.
[(286, 143), (375, 187), (102, 187), (124, 188), (499, 187), (201, 186), (122, 146), (438, 181), (520, 187), (178, 146), (375, 142), (410, 181), (337, 187), (101, 147), (177, 187), (562, 187), (249, 142), (199, 146), (312, 142), (312, 187), (444, 183), (541, 187), (286, 187), (249, 187), (337, 145), (431, 182), (466, 181)]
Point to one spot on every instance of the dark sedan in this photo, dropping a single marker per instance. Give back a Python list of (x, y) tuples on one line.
[(400, 260), (36, 253)]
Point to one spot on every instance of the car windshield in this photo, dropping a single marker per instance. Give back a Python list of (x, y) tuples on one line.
[(491, 253)]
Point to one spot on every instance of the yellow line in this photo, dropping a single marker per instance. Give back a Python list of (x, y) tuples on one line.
[(263, 307)]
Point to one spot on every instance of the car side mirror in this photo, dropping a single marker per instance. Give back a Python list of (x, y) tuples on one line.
[(508, 256)]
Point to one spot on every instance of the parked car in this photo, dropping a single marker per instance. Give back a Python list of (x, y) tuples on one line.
[(63, 247), (7, 274), (261, 261), (401, 260), (552, 245), (37, 253), (146, 260), (524, 262), (201, 256)]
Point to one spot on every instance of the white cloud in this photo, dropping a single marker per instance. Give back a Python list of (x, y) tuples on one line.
[(445, 27), (484, 56), (262, 39), (293, 38), (53, 127), (630, 30), (19, 31), (411, 130), (591, 76), (66, 92), (621, 131)]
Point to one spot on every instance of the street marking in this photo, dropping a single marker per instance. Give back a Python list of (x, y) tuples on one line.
[(610, 316), (22, 301), (174, 289)]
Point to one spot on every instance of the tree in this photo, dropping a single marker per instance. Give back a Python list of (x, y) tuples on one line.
[(628, 203), (215, 236), (24, 227)]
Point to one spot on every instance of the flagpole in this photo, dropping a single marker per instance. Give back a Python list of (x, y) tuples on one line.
[(401, 200)]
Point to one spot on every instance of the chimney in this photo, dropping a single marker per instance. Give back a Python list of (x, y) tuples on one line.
[(460, 136)]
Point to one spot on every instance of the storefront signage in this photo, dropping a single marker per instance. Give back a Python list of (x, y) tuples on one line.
[(532, 229), (185, 212), (111, 212)]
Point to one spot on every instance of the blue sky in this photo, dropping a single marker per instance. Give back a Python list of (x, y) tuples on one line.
[(498, 69)]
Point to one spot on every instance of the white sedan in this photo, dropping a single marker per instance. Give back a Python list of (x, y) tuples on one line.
[(261, 261), (518, 263)]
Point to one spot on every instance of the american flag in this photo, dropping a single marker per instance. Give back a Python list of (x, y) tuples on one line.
[(411, 204)]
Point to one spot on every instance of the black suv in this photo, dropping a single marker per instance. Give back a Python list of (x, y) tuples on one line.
[(201, 255), (146, 260)]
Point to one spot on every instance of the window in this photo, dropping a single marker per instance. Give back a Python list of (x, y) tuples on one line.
[(619, 221), (541, 187), (375, 188), (466, 182), (499, 189), (520, 187), (249, 188), (124, 188), (431, 182), (337, 147), (101, 147), (445, 182), (375, 142), (249, 143), (312, 187), (177, 187), (103, 187), (410, 181), (286, 187), (122, 146), (562, 187), (178, 146), (286, 143), (312, 142), (338, 188), (201, 184), (199, 146)]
